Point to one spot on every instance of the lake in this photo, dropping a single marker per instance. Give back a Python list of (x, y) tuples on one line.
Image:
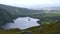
[(22, 23)]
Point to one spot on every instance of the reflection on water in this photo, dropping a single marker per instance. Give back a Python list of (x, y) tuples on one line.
[(22, 23)]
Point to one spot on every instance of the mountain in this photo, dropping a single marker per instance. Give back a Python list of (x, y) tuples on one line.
[(13, 10), (8, 13), (18, 11), (45, 16), (5, 17)]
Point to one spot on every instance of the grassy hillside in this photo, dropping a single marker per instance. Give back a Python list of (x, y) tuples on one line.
[(46, 29), (43, 29), (11, 31)]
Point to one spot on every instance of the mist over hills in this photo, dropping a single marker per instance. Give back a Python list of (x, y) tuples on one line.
[(16, 12), (36, 7)]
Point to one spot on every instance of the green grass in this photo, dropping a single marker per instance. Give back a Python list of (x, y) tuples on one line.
[(43, 29), (46, 29), (11, 31)]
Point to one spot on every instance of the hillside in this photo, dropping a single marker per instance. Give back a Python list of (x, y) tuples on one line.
[(5, 17), (46, 29), (18, 11), (14, 12), (49, 19), (45, 16), (43, 29)]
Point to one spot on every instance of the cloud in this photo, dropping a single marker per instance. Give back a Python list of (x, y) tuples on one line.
[(29, 3)]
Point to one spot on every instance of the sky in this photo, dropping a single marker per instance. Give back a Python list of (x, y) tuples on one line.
[(31, 3)]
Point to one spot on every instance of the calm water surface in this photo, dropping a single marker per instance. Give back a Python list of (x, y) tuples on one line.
[(22, 23)]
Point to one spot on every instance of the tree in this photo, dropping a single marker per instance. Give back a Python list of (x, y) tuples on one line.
[(5, 17)]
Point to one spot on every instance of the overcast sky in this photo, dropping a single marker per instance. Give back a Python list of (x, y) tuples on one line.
[(31, 3)]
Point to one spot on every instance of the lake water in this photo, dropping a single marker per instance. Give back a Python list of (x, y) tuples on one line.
[(22, 23)]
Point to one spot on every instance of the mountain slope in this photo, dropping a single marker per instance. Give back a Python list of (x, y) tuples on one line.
[(46, 29), (5, 17)]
